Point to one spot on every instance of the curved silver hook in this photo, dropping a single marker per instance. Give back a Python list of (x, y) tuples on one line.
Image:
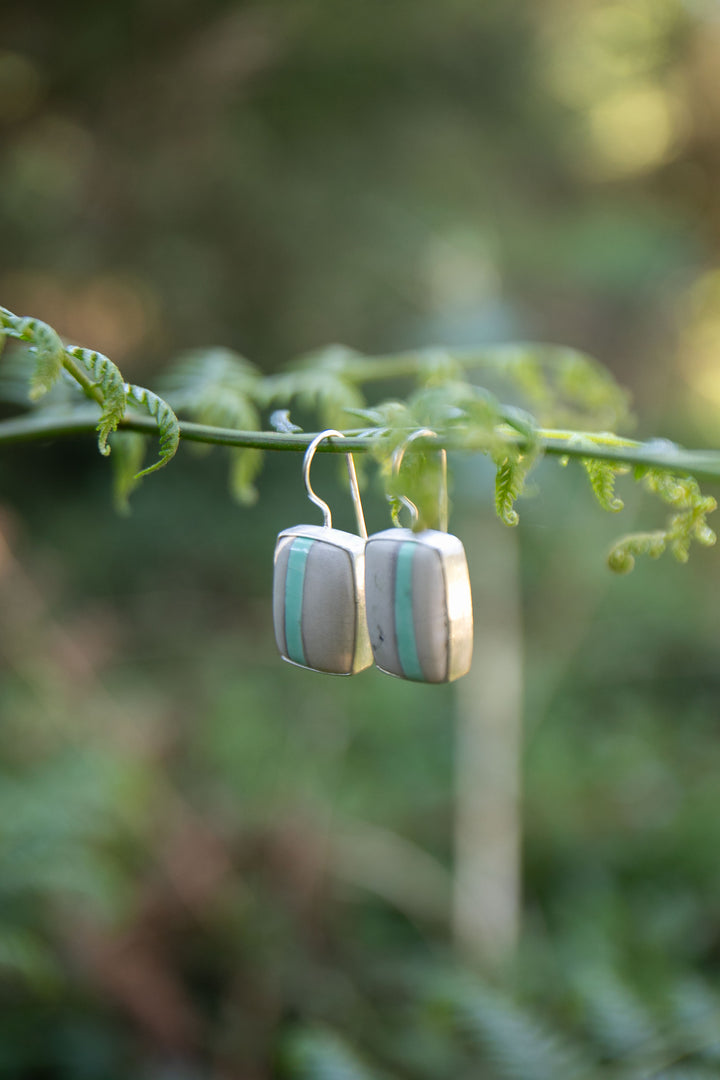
[(397, 458), (354, 488)]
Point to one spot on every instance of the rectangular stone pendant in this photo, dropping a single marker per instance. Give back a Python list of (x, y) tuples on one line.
[(419, 605), (319, 600)]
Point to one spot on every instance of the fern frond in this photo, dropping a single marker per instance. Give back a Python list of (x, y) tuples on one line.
[(100, 379), (696, 1005), (419, 478), (508, 486), (513, 1042), (623, 553), (339, 359), (16, 373), (317, 1054), (469, 412), (96, 372), (219, 387), (325, 391), (167, 421), (45, 346), (48, 349), (439, 367), (696, 1011), (459, 407), (564, 387), (585, 385), (128, 452), (392, 418), (214, 386), (512, 471), (245, 465), (523, 368), (618, 1020), (602, 475), (688, 522), (106, 378)]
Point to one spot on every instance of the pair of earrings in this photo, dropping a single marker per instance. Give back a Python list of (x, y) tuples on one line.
[(400, 598)]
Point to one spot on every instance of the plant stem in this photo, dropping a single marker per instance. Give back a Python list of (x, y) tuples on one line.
[(703, 464), (89, 388)]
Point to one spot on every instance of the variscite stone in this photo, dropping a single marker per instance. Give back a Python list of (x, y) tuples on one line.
[(419, 606), (319, 600)]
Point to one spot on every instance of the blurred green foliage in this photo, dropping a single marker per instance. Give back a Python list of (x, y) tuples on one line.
[(215, 866)]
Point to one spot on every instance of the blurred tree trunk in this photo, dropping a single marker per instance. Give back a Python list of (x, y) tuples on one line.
[(486, 907)]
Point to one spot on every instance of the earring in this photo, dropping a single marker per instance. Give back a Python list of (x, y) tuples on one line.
[(319, 587), (417, 590)]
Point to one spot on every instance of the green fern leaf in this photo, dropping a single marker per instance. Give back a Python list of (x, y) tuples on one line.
[(696, 1012), (45, 345), (245, 464), (513, 1042), (459, 407), (317, 1054), (438, 367), (167, 421), (616, 1017), (107, 378), (509, 481), (217, 383), (686, 523), (589, 389), (513, 468), (326, 392), (564, 387), (16, 372), (49, 351), (340, 359), (526, 371), (218, 387), (602, 479), (128, 451), (622, 555)]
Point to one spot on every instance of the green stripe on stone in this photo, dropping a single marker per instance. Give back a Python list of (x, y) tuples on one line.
[(404, 620), (294, 584)]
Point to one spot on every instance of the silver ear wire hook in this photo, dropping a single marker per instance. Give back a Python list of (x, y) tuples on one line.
[(397, 458), (352, 475)]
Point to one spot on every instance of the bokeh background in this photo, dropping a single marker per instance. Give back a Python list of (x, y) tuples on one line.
[(214, 866)]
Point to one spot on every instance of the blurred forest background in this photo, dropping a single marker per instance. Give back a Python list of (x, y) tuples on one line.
[(214, 866)]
